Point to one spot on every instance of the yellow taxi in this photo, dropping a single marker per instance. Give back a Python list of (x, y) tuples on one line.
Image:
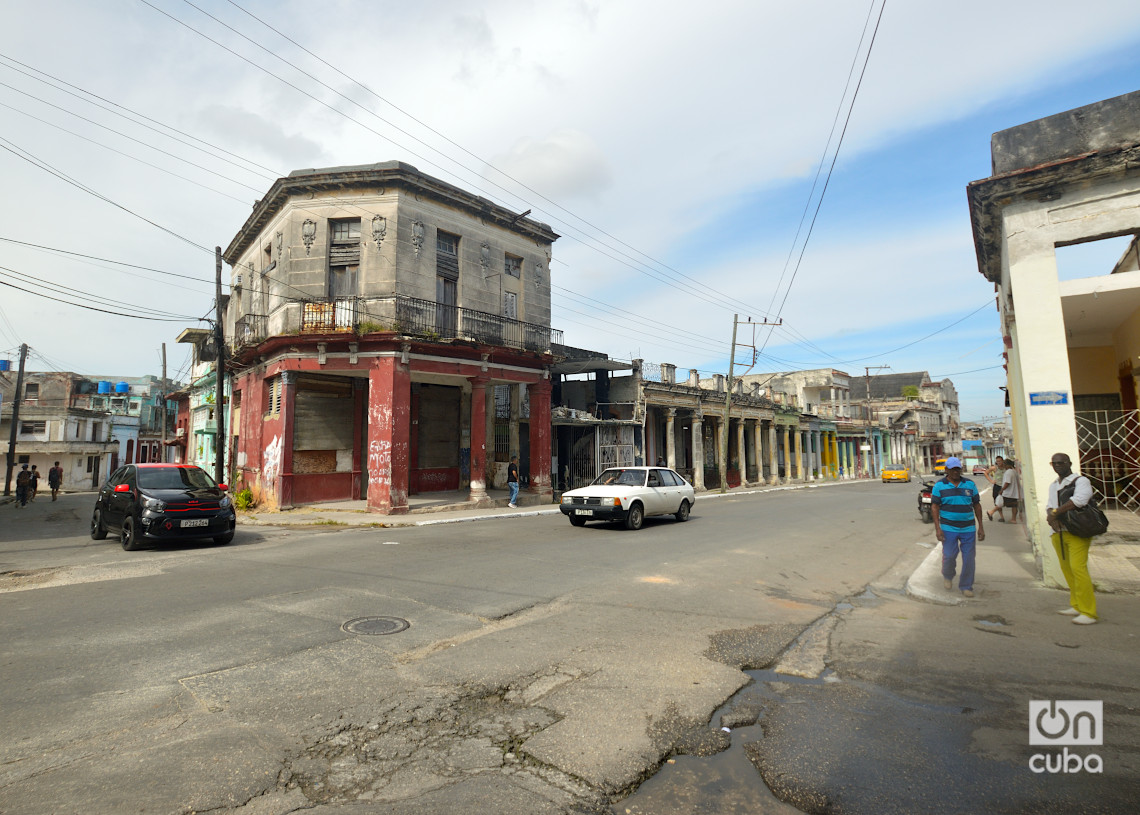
[(895, 472), (940, 466)]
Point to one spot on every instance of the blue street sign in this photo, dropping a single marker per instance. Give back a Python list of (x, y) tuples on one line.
[(1049, 398)]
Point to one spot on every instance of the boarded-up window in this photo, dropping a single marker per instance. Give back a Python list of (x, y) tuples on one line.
[(438, 435)]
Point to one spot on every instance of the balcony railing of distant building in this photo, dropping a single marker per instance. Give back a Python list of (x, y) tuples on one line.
[(407, 316)]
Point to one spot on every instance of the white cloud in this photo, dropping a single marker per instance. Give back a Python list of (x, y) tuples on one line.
[(653, 126)]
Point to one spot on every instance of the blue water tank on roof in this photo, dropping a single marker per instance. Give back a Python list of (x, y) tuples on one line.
[(122, 387), (104, 386), (5, 364)]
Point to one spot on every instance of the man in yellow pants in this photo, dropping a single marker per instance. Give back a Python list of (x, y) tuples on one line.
[(1071, 549)]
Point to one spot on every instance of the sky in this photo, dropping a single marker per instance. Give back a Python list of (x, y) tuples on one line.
[(681, 151)]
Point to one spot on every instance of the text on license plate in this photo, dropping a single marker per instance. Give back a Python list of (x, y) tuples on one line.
[(195, 522), (925, 500), (583, 512)]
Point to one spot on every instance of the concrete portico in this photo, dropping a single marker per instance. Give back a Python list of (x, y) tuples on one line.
[(1064, 180)]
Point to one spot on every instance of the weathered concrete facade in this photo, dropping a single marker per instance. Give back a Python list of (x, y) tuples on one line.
[(1066, 179), (374, 311)]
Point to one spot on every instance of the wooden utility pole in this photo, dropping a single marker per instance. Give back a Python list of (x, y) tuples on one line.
[(15, 419), (220, 371)]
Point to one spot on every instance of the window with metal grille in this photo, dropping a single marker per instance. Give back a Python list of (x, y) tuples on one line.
[(502, 440), (33, 428)]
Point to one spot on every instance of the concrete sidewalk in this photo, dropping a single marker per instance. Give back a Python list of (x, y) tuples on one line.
[(453, 507), (1007, 566)]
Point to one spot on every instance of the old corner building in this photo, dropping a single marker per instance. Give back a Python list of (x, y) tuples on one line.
[(374, 313)]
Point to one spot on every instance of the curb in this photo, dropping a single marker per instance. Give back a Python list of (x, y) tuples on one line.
[(930, 570)]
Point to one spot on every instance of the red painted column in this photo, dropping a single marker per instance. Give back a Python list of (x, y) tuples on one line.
[(288, 414), (359, 397), (539, 393), (389, 422), (478, 439)]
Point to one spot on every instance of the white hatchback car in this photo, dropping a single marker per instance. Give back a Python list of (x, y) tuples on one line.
[(628, 494)]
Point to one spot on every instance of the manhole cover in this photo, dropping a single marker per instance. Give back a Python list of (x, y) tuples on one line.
[(374, 626)]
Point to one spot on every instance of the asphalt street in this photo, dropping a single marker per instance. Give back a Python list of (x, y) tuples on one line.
[(545, 669)]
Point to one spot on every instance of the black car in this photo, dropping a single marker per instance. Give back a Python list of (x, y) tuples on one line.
[(159, 502)]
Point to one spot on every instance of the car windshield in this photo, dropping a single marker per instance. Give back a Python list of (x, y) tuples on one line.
[(895, 467), (174, 478), (624, 478)]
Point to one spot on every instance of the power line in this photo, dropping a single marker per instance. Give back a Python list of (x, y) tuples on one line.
[(834, 159), (19, 152)]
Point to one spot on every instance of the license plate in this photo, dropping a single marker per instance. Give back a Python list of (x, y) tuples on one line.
[(925, 500), (195, 522), (583, 512)]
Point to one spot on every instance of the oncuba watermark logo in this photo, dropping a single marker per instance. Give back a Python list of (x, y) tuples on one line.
[(1066, 723)]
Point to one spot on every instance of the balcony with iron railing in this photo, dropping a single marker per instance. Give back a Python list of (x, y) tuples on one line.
[(406, 316)]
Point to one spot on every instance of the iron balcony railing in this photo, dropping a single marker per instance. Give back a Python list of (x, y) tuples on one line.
[(425, 318), (250, 329)]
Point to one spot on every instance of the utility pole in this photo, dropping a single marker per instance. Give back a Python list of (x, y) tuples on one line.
[(867, 417), (15, 419), (220, 370), (165, 387), (723, 470)]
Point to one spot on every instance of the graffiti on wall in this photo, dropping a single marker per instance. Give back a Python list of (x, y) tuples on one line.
[(380, 462), (271, 461)]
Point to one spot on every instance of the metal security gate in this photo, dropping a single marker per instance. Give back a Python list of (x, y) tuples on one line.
[(615, 446), (1109, 445)]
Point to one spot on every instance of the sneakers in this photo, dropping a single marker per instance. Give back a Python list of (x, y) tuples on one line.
[(1084, 619), (513, 506), (947, 583), (1069, 612), (968, 592)]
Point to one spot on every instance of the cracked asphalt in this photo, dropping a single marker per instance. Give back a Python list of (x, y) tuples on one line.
[(546, 669)]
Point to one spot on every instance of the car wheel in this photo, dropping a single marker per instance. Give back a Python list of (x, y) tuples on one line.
[(683, 512), (128, 537), (222, 540), (576, 521), (98, 532), (636, 516)]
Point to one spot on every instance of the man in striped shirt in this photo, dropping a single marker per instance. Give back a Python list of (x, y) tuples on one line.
[(956, 507)]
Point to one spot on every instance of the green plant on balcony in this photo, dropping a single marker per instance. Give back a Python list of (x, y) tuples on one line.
[(370, 327)]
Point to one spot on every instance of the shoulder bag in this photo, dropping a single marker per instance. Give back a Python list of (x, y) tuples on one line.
[(1084, 522)]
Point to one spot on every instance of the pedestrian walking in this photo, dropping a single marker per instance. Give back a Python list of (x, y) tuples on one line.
[(1010, 490), (994, 475), (35, 486), (1072, 550), (23, 484), (55, 480), (513, 481), (957, 510)]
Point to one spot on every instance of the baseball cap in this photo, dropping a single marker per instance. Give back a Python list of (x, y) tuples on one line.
[(953, 462)]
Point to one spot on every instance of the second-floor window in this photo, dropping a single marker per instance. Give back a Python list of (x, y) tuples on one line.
[(513, 266), (31, 392), (33, 428), (510, 305), (344, 257)]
